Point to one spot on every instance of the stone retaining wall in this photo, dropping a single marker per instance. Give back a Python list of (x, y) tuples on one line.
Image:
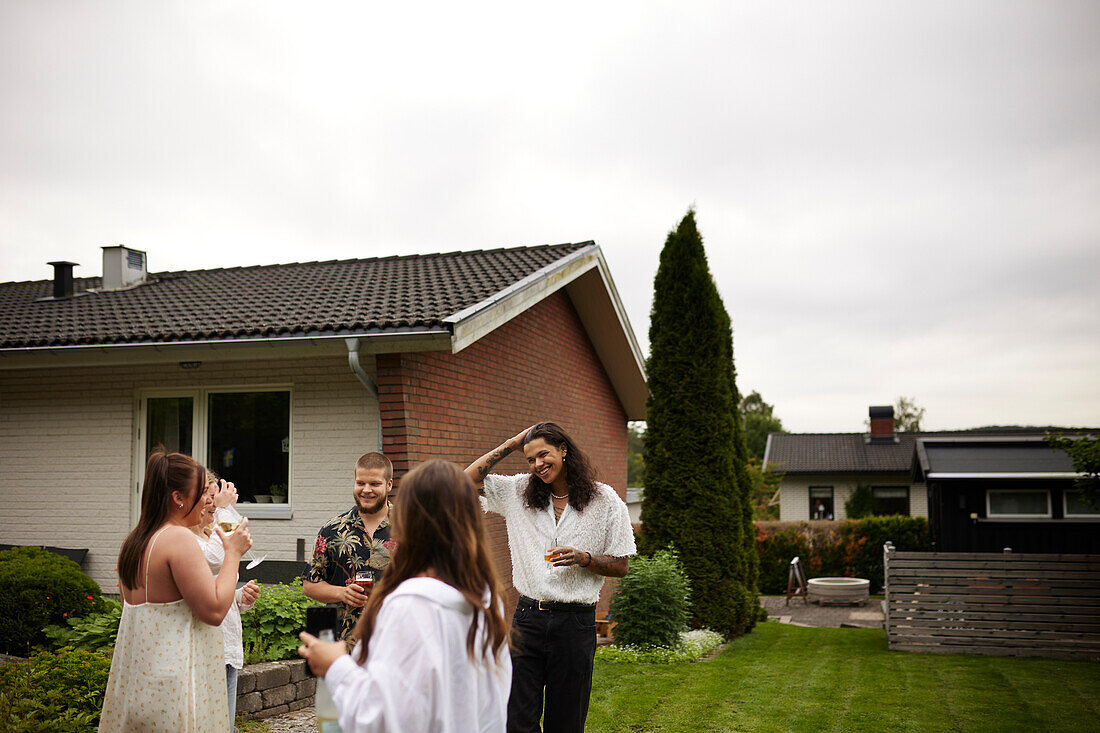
[(274, 688)]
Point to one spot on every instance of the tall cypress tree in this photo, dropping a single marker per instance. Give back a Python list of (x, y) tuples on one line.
[(697, 486)]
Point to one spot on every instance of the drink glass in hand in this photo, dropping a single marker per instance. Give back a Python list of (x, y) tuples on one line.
[(365, 580), (549, 556), (229, 519)]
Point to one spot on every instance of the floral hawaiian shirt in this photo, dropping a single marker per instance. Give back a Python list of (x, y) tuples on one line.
[(342, 547)]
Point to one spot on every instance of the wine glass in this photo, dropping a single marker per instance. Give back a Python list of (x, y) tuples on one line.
[(228, 518)]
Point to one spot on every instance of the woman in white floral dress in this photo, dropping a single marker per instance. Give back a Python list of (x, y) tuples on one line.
[(167, 672)]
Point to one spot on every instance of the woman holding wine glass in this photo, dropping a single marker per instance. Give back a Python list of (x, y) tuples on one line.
[(224, 494), (167, 670)]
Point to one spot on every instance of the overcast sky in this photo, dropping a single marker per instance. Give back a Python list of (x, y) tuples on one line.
[(896, 198)]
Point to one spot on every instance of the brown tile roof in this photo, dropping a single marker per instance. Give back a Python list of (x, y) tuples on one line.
[(838, 453), (300, 299)]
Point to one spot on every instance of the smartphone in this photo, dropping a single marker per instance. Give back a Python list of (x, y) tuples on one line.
[(319, 618)]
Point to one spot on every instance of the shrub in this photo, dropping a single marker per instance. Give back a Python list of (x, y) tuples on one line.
[(860, 504), (851, 548), (38, 588), (271, 627), (53, 691), (652, 602), (96, 631)]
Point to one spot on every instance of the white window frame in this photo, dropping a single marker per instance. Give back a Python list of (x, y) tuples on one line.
[(1065, 507), (199, 439), (989, 510), (832, 498)]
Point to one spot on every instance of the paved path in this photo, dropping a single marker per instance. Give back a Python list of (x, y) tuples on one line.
[(802, 614), (300, 721)]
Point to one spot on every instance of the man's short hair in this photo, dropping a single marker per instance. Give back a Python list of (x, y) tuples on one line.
[(369, 461)]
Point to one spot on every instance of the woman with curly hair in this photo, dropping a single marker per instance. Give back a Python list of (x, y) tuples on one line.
[(566, 532)]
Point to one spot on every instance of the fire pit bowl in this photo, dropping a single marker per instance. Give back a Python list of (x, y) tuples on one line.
[(838, 590)]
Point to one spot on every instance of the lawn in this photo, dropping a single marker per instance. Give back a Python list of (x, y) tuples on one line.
[(790, 678)]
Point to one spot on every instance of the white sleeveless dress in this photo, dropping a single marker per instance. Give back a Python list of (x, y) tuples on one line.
[(167, 672)]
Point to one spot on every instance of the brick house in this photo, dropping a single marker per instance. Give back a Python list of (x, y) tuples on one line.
[(279, 377)]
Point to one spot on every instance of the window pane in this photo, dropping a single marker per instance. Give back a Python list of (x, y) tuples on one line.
[(250, 444), (890, 500), (821, 502), (1075, 504), (168, 422), (1018, 502)]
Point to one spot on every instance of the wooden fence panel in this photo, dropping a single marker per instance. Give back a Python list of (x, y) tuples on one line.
[(996, 604)]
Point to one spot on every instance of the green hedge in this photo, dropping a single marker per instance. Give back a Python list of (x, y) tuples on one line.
[(39, 588), (850, 548)]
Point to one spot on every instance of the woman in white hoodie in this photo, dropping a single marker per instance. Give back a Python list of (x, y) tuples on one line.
[(432, 652)]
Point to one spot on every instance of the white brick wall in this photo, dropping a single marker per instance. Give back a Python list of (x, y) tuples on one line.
[(794, 493), (67, 437)]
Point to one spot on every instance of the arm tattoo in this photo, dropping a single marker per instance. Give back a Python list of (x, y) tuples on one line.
[(491, 460), (609, 565)]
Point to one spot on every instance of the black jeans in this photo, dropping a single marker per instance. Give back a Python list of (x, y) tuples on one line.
[(554, 651)]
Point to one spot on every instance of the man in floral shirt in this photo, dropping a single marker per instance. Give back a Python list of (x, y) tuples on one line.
[(353, 543)]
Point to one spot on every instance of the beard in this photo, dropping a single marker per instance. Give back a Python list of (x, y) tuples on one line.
[(370, 507)]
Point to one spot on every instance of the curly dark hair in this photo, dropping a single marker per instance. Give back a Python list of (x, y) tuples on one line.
[(580, 476)]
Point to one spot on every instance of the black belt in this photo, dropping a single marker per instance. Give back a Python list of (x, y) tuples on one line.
[(525, 602)]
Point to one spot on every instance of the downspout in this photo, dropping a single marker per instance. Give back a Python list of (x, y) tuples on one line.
[(364, 378)]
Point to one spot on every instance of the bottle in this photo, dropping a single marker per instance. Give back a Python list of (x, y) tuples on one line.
[(327, 719)]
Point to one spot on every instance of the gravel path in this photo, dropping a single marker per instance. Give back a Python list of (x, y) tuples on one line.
[(300, 721)]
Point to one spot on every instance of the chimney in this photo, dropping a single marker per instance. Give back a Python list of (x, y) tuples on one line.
[(882, 424), (123, 267), (62, 278)]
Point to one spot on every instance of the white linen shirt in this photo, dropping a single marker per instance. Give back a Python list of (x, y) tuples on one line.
[(603, 528), (418, 676), (232, 632)]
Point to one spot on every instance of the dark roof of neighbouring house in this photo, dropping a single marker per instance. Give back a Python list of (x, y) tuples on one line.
[(794, 453), (269, 301), (986, 456)]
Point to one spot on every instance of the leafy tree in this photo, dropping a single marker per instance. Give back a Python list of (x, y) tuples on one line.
[(635, 455), (696, 479), (759, 421), (1084, 451)]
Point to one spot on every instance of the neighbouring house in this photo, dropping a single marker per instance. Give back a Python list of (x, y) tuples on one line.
[(987, 493), (982, 490), (634, 498), (279, 377), (822, 470)]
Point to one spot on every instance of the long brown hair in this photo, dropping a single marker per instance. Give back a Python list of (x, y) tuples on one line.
[(439, 526), (164, 473), (580, 476)]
